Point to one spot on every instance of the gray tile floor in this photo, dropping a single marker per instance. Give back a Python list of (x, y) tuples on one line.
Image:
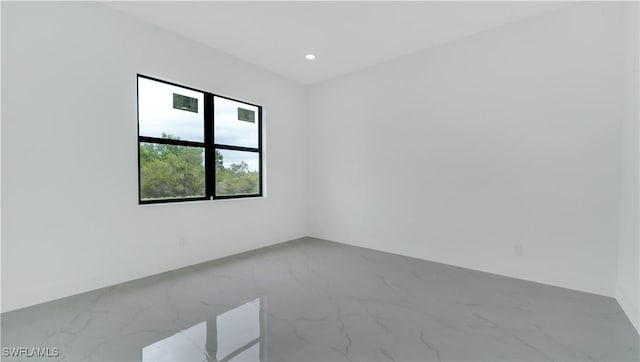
[(314, 300)]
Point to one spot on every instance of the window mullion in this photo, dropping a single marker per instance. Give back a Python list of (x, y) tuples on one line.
[(236, 148), (169, 141), (210, 156), (260, 174)]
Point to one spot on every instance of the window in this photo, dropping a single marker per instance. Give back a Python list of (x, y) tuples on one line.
[(195, 145)]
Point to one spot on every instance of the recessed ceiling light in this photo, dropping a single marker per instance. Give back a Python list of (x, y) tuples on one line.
[(310, 56)]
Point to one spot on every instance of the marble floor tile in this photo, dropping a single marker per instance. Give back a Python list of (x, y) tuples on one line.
[(314, 300)]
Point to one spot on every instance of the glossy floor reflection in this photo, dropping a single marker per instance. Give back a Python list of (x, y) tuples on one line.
[(234, 335), (313, 300)]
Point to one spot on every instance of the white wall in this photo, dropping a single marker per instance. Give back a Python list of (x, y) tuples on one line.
[(463, 153), (71, 221), (628, 286), (457, 154)]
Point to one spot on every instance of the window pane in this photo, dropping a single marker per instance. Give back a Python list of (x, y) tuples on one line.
[(168, 111), (237, 173), (235, 123), (170, 171)]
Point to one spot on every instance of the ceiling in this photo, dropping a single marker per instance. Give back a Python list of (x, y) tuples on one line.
[(344, 36)]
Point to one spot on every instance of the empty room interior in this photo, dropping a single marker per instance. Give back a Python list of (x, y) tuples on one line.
[(320, 181)]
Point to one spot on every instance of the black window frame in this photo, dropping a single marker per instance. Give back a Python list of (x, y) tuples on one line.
[(209, 146)]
